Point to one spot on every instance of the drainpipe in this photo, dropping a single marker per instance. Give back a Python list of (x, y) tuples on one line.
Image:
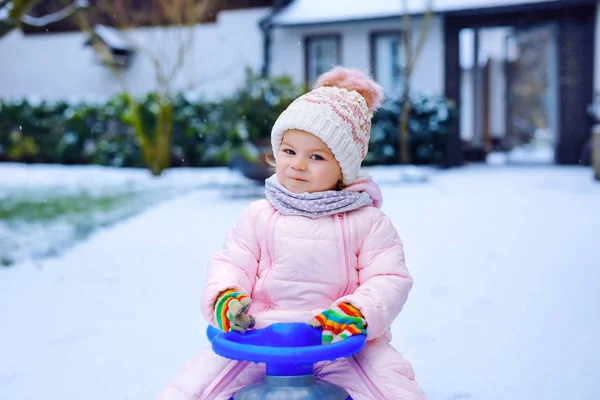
[(266, 28)]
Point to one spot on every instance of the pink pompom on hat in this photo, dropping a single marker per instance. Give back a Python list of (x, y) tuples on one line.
[(338, 111)]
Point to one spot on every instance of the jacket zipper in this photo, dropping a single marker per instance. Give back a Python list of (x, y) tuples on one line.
[(372, 387), (226, 380), (269, 244), (346, 263)]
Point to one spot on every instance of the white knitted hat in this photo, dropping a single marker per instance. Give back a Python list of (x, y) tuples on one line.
[(338, 111)]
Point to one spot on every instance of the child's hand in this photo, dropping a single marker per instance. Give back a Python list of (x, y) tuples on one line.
[(340, 323), (231, 312)]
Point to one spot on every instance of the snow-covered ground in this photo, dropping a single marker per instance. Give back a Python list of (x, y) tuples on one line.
[(505, 302), (127, 190)]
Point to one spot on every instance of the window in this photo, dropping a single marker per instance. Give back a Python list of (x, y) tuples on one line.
[(321, 53), (388, 60)]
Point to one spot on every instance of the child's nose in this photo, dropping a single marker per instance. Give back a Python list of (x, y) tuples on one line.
[(299, 164)]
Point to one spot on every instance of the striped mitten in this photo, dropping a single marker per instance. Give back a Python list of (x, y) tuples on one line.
[(231, 312), (340, 323)]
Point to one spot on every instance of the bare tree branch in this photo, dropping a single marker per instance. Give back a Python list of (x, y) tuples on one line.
[(411, 57), (17, 8), (178, 20), (424, 29), (214, 76), (407, 32), (101, 48), (56, 16)]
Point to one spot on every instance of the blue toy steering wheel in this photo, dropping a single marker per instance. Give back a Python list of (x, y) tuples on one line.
[(291, 346), (290, 351)]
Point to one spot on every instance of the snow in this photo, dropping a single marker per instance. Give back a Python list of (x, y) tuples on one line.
[(42, 183), (112, 37), (92, 177), (5, 11), (318, 11), (505, 262)]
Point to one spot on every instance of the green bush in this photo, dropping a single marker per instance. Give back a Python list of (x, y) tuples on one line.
[(205, 133), (429, 130), (258, 104), (241, 123), (67, 133)]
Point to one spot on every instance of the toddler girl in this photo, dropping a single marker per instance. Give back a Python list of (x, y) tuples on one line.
[(317, 249)]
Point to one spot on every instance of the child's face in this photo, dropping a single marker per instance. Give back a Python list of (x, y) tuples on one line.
[(305, 163)]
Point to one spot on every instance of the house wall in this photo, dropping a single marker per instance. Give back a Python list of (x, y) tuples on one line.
[(58, 66), (288, 58), (288, 50)]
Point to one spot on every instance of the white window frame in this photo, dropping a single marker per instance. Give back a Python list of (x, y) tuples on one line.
[(314, 43), (392, 75)]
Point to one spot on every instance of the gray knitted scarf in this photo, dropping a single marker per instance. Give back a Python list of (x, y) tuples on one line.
[(313, 205)]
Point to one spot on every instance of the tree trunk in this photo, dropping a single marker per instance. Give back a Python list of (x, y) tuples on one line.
[(164, 135), (156, 150), (596, 151), (403, 142)]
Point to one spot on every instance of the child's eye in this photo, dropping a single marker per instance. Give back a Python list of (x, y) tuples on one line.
[(289, 151), (317, 157)]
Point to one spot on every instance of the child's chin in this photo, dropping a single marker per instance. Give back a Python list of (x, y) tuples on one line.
[(298, 187), (298, 190)]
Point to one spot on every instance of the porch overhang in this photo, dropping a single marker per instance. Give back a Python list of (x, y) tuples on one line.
[(575, 21)]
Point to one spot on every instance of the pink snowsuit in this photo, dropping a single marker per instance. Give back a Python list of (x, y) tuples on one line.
[(294, 267)]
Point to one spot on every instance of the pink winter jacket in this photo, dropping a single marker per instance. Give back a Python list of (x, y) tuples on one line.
[(294, 267)]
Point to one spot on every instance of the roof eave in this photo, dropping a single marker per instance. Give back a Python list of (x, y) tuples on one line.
[(513, 8), (342, 21)]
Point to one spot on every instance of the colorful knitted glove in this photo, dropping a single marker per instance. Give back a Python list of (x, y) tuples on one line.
[(231, 312), (340, 323)]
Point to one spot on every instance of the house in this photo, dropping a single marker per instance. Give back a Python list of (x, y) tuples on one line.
[(537, 66), (55, 62), (522, 72)]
